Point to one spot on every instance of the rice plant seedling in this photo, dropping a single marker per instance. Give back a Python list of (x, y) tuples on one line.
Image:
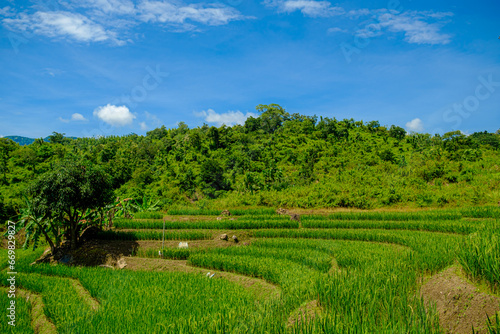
[(362, 271), (22, 314), (434, 250), (480, 255), (494, 324), (393, 216), (217, 212), (481, 212), (148, 215), (445, 226), (237, 224), (167, 253), (313, 259), (154, 235)]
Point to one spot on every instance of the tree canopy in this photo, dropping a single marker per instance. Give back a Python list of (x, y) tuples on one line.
[(276, 158), (66, 193)]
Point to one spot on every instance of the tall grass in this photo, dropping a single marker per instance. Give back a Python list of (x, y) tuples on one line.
[(446, 226), (155, 235), (481, 212), (167, 253), (479, 254), (22, 313), (148, 215), (392, 216), (237, 224), (433, 251), (217, 212)]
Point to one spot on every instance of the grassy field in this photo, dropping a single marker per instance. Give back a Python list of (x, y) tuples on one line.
[(348, 272)]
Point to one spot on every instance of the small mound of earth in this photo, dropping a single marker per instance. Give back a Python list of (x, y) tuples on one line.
[(93, 253), (459, 303)]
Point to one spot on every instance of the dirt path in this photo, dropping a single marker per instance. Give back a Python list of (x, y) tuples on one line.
[(259, 287), (459, 303)]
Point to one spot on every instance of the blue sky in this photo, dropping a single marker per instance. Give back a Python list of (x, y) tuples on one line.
[(113, 67)]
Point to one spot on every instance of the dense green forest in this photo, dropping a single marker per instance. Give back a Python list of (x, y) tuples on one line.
[(276, 159)]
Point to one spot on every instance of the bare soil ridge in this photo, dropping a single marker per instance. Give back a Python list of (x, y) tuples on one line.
[(459, 303)]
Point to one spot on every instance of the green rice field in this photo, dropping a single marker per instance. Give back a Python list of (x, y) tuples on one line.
[(342, 272)]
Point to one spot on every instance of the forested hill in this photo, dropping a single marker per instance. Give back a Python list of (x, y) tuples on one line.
[(276, 159), (28, 141), (21, 140)]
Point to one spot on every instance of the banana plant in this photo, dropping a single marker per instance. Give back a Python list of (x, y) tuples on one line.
[(36, 225), (146, 205)]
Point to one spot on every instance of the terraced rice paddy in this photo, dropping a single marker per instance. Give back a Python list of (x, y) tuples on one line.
[(346, 272)]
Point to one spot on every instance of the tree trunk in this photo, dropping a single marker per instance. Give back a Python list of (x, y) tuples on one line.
[(51, 244), (74, 237)]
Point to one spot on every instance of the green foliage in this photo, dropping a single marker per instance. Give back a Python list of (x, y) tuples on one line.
[(275, 160), (362, 270), (66, 193), (148, 215), (480, 254), (155, 235), (240, 224)]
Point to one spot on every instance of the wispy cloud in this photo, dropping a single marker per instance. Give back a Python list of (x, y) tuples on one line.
[(336, 30), (178, 14), (61, 24), (310, 8), (7, 11), (415, 25), (151, 121), (105, 6), (110, 20), (76, 117), (115, 115), (229, 118)]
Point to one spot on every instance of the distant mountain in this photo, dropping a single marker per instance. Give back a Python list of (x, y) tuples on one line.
[(28, 141), (22, 140)]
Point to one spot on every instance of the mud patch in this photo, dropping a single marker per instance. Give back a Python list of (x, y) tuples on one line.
[(459, 303)]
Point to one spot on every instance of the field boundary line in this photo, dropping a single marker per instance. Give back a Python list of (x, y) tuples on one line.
[(84, 294)]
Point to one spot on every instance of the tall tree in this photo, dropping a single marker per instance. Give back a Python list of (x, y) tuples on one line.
[(67, 192)]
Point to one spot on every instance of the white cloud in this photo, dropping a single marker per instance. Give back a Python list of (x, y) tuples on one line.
[(78, 117), (174, 13), (114, 115), (413, 24), (106, 6), (415, 28), (229, 118), (358, 12), (143, 125), (415, 125), (307, 7), (7, 11), (335, 30), (105, 20), (61, 24)]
